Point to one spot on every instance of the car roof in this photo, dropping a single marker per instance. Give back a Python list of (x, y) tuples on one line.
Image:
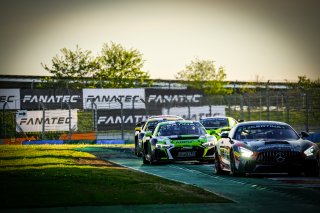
[(177, 121), (261, 122), (164, 117), (213, 117)]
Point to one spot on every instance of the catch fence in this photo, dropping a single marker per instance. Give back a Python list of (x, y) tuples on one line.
[(113, 113)]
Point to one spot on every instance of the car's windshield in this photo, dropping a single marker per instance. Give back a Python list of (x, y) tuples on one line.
[(152, 124), (181, 129), (265, 131), (214, 122)]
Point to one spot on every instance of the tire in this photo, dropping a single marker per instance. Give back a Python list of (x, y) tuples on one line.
[(233, 170), (151, 159), (136, 150), (217, 164), (144, 154), (313, 170)]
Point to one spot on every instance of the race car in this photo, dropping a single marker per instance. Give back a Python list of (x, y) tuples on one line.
[(218, 124), (178, 140), (149, 125), (264, 147)]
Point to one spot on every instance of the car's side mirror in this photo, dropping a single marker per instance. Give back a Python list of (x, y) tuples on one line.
[(154, 141), (304, 134), (224, 135)]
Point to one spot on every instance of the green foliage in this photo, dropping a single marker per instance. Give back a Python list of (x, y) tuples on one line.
[(202, 74), (305, 83), (75, 65), (121, 68), (116, 67)]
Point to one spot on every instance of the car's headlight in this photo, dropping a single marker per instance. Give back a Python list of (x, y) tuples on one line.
[(310, 151), (245, 152), (208, 144), (211, 141)]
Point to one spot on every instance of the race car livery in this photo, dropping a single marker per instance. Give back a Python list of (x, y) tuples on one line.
[(149, 125), (178, 140), (218, 124), (264, 147)]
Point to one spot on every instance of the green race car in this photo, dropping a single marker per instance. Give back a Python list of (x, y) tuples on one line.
[(178, 140), (218, 124), (149, 125)]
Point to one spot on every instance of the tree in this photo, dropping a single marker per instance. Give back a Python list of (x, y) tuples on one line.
[(202, 74), (75, 65), (120, 68)]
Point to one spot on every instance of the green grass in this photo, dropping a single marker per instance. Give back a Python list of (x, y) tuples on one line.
[(58, 175)]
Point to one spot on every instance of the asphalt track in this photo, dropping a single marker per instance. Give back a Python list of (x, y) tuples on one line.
[(254, 193)]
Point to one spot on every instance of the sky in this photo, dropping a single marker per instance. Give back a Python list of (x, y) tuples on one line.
[(274, 40)]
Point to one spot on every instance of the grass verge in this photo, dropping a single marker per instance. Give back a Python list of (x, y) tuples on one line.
[(59, 175)]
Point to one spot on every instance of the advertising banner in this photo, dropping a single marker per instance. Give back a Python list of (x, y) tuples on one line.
[(196, 113), (173, 97), (9, 99), (112, 119), (113, 98), (51, 99), (55, 120)]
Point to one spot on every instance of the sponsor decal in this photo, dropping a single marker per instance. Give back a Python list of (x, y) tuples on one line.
[(51, 99), (112, 119), (54, 120), (195, 112), (114, 98), (173, 97), (9, 98)]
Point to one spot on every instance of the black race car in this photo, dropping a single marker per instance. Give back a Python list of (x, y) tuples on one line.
[(266, 147)]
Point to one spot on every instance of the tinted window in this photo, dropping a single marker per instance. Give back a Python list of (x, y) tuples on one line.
[(215, 122), (181, 129), (265, 131)]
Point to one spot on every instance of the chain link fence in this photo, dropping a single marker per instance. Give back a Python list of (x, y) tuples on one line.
[(300, 109)]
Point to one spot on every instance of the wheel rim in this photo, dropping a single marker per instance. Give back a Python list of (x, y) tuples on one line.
[(232, 164), (217, 163)]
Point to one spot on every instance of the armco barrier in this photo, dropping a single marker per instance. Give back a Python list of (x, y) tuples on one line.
[(38, 142), (53, 142), (110, 141)]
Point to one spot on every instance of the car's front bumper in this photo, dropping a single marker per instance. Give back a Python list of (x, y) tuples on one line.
[(184, 154)]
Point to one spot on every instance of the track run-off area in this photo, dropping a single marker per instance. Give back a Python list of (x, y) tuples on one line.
[(252, 193)]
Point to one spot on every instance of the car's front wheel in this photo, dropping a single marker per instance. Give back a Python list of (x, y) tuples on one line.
[(144, 155), (217, 164), (313, 169), (147, 156), (233, 170)]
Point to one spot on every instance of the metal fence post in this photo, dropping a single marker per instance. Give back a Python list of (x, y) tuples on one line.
[(121, 104), (4, 123), (94, 115), (307, 111), (69, 109), (43, 119), (288, 109)]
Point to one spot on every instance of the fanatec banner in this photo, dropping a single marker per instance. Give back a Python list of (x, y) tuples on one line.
[(173, 97), (51, 99), (114, 98), (55, 120), (9, 99), (112, 119)]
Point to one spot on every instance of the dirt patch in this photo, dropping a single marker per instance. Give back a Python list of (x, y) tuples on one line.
[(97, 163)]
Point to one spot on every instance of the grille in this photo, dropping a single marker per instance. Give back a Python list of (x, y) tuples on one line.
[(198, 152), (279, 157)]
